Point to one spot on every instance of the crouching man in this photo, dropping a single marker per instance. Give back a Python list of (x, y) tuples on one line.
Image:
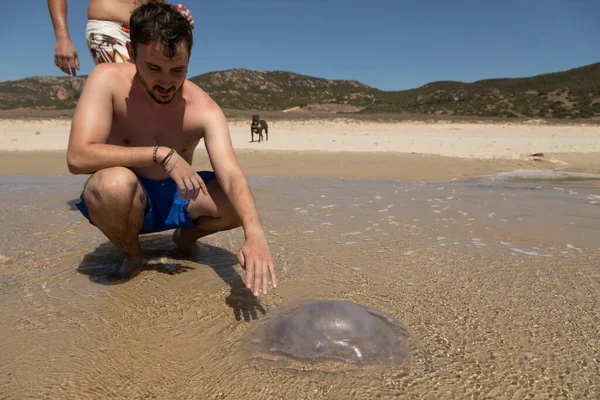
[(135, 129)]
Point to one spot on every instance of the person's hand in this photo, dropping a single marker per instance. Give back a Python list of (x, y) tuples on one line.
[(187, 179), (65, 57), (186, 13), (255, 257)]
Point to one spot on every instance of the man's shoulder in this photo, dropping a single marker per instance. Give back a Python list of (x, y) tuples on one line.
[(108, 73), (202, 110), (199, 99)]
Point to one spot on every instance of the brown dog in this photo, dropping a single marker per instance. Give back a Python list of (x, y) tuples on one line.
[(258, 125)]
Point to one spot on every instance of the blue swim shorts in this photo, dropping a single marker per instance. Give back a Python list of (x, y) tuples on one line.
[(166, 210)]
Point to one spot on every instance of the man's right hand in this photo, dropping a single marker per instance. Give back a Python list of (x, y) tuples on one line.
[(65, 57), (187, 179)]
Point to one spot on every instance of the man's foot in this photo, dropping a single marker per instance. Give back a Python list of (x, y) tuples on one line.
[(130, 268), (188, 245)]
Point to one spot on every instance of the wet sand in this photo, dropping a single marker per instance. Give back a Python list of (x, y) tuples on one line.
[(496, 279), (343, 165)]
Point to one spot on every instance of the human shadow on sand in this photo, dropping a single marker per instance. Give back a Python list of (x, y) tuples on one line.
[(101, 264)]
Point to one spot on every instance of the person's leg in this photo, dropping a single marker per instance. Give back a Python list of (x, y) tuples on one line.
[(212, 213), (116, 203)]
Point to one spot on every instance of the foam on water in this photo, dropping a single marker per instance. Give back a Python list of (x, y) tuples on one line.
[(531, 253), (542, 175)]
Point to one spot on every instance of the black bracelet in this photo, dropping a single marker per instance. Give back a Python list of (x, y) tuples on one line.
[(164, 161), (154, 155), (173, 167)]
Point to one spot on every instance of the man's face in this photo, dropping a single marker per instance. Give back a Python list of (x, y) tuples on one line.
[(161, 76)]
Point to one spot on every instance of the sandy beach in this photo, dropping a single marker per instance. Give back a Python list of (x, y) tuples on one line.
[(494, 274), (450, 139), (346, 148)]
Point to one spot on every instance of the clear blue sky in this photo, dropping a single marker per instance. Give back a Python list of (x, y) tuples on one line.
[(387, 44)]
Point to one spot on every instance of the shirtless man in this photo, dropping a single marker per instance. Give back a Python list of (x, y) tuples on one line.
[(107, 31), (135, 129)]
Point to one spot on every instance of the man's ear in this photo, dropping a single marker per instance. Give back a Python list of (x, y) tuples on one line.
[(130, 52)]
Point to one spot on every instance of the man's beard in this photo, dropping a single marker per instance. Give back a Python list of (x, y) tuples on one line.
[(159, 100)]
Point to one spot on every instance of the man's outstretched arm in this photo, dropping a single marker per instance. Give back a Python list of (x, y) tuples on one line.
[(65, 55), (254, 256), (92, 121)]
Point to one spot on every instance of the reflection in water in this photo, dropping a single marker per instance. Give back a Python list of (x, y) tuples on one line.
[(498, 280)]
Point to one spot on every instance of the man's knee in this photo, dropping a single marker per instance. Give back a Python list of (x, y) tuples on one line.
[(112, 185)]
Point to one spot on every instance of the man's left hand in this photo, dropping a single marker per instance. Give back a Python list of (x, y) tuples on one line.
[(255, 257), (186, 13)]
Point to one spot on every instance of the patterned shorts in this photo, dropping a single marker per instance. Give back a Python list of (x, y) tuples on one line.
[(107, 41)]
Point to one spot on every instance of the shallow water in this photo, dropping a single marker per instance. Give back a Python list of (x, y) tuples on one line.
[(497, 279)]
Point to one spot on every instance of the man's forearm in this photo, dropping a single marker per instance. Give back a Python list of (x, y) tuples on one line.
[(241, 198), (58, 14), (95, 157)]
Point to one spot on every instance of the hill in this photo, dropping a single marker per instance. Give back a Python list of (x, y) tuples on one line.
[(570, 94)]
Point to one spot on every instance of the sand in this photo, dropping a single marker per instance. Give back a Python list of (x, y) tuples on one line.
[(349, 148), (498, 284), (496, 279)]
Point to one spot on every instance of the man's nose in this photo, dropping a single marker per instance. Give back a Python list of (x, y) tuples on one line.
[(165, 81)]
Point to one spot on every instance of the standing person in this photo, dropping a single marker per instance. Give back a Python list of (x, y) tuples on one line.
[(107, 31), (135, 129)]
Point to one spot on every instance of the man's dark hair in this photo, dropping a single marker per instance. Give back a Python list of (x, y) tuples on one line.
[(160, 23)]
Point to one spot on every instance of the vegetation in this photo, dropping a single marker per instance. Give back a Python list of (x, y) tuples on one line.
[(569, 94)]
